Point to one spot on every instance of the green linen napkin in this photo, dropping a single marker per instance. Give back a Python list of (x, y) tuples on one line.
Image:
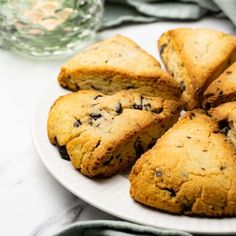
[(123, 11), (115, 228)]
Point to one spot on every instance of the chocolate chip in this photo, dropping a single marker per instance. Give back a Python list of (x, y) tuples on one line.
[(182, 86), (93, 87), (158, 173), (77, 123), (138, 148), (137, 106), (98, 96), (98, 143), (95, 116), (158, 110), (162, 48), (130, 87), (224, 130), (65, 86), (77, 87), (118, 108), (192, 115), (106, 61), (141, 99), (187, 206), (147, 107), (171, 191), (228, 72), (202, 168), (207, 105), (62, 150), (204, 150), (189, 137), (221, 94), (222, 167), (223, 126), (106, 162)]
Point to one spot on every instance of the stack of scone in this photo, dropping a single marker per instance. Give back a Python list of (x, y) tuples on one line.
[(123, 109)]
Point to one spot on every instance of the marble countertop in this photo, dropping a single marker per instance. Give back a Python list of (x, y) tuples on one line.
[(32, 202)]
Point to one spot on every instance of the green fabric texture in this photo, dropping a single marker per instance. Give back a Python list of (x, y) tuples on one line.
[(126, 11), (115, 228)]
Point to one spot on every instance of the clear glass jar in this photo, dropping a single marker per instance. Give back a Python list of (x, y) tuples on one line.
[(47, 28)]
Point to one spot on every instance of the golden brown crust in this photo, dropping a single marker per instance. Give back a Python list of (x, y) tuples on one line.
[(223, 89), (191, 170), (106, 134), (225, 115), (116, 64), (196, 57)]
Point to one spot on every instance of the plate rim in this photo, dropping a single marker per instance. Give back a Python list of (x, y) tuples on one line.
[(36, 133)]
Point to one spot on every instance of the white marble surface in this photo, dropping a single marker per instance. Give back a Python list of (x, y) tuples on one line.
[(31, 201)]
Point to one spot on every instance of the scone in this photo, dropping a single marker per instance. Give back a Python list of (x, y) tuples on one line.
[(196, 57), (222, 90), (191, 170), (225, 115), (117, 64), (103, 134)]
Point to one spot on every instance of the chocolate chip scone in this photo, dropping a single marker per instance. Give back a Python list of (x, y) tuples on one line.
[(222, 90), (117, 64), (102, 134), (191, 170), (196, 57), (225, 115)]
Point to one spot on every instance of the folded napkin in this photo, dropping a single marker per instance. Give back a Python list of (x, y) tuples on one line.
[(121, 11), (115, 228)]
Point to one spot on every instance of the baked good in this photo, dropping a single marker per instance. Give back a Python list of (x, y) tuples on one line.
[(191, 170), (196, 57), (223, 89), (117, 64), (103, 134), (225, 115)]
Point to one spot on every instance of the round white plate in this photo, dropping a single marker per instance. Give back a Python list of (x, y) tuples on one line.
[(110, 195)]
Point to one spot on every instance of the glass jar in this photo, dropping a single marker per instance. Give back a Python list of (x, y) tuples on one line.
[(47, 28)]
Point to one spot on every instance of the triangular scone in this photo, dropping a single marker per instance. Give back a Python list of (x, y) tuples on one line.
[(102, 134), (196, 57), (116, 64), (222, 90), (225, 115), (191, 170)]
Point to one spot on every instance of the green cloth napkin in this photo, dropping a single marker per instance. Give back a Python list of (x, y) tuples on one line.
[(124, 11), (115, 228)]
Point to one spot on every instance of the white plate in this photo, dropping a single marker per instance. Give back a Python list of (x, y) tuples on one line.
[(110, 195)]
